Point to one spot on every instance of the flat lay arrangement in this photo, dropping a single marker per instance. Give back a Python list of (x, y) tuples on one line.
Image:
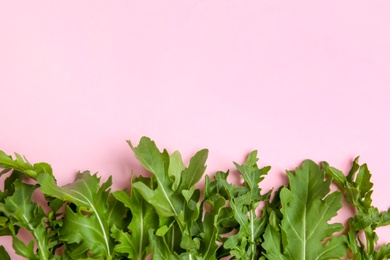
[(177, 212)]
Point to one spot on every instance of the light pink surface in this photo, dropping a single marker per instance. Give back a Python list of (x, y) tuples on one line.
[(295, 80)]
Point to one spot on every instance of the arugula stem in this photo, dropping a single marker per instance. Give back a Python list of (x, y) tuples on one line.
[(42, 253), (252, 242), (41, 248), (369, 241)]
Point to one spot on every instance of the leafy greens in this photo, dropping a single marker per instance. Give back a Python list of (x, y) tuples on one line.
[(173, 215)]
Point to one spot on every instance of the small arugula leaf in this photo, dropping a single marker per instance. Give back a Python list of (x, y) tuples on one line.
[(210, 232), (160, 248), (9, 189), (22, 165), (24, 250), (354, 168), (252, 176), (337, 176), (175, 169), (192, 175), (135, 242), (272, 238), (188, 219), (27, 214), (306, 209)]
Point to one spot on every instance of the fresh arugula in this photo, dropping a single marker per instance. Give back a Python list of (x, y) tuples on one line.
[(357, 189), (306, 208), (173, 215)]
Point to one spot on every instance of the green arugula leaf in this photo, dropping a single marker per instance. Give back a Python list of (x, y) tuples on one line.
[(135, 242), (306, 209), (24, 250), (21, 164), (27, 214), (92, 221), (175, 169), (241, 215), (157, 163), (4, 254), (86, 230), (357, 190), (160, 248), (192, 175), (210, 232)]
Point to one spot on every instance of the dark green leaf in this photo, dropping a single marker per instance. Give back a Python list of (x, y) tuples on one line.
[(3, 254)]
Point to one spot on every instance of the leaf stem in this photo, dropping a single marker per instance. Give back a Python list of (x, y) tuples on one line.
[(253, 245)]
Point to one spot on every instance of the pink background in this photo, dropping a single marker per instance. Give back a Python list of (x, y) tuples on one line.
[(295, 80)]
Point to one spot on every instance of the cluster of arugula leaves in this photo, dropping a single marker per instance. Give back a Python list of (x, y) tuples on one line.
[(167, 216)]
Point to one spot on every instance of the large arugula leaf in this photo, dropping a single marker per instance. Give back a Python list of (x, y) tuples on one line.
[(89, 225), (174, 197), (157, 163), (173, 180), (306, 209)]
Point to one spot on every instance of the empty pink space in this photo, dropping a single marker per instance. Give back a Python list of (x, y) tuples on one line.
[(294, 80)]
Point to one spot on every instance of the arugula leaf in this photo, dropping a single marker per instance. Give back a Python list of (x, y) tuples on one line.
[(160, 248), (135, 242), (22, 212), (3, 254), (175, 198), (241, 215), (175, 169), (357, 190), (157, 163), (306, 208), (210, 232), (90, 225), (246, 204), (192, 175), (21, 164)]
